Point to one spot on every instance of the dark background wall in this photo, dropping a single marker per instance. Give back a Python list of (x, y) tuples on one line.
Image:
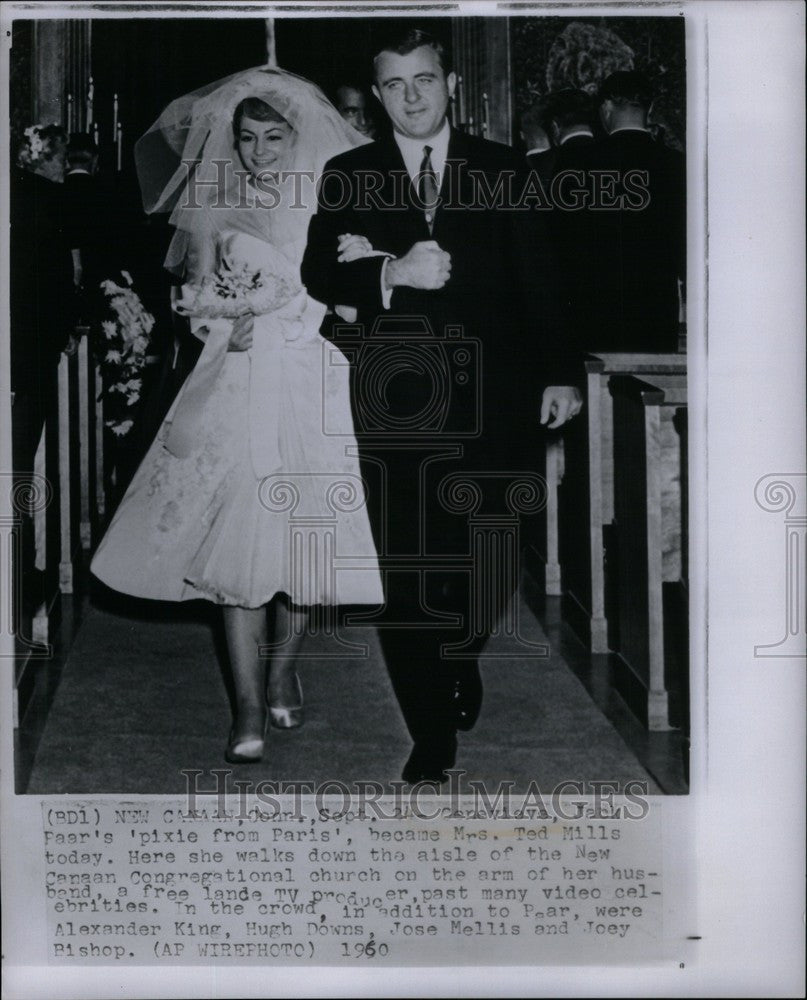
[(331, 51)]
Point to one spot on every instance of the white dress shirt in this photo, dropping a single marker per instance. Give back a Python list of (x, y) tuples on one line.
[(413, 151), (573, 133), (630, 128)]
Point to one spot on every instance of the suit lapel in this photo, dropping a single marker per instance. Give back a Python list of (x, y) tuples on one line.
[(400, 186), (455, 190)]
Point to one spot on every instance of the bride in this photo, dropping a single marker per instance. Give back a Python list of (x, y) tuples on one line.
[(251, 492)]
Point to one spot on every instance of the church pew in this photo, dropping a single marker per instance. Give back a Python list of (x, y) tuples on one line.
[(584, 487), (643, 411), (67, 501)]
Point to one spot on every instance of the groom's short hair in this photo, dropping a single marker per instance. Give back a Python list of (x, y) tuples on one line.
[(407, 40)]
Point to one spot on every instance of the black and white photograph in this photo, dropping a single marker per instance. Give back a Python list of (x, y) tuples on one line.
[(429, 511), (366, 407)]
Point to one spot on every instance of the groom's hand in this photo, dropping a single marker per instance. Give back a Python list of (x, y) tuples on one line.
[(561, 402), (424, 266)]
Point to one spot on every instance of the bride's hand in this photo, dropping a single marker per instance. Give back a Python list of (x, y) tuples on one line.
[(352, 247), (241, 337)]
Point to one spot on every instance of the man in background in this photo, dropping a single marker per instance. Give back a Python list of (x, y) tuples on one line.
[(41, 309), (351, 104), (85, 218), (639, 238), (569, 115), (540, 151)]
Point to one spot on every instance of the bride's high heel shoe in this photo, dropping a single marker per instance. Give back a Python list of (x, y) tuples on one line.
[(248, 750), (288, 716)]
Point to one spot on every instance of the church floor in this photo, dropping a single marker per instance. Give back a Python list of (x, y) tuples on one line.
[(141, 696)]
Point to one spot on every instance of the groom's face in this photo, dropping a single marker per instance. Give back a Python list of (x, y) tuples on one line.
[(414, 90)]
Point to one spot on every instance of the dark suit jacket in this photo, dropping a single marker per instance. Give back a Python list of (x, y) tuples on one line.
[(571, 236), (501, 292), (41, 281), (543, 164), (557, 158), (639, 254), (571, 155), (87, 226)]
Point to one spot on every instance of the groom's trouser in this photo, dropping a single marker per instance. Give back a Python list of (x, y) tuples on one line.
[(430, 582)]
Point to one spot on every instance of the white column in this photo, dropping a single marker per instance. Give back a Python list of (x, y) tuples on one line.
[(554, 477), (84, 436), (271, 52), (65, 547), (100, 495)]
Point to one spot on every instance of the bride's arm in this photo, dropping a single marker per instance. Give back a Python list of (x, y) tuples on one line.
[(351, 247), (200, 261)]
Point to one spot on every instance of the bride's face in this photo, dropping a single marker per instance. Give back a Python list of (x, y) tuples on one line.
[(262, 146)]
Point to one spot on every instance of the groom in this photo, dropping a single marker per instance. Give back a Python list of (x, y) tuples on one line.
[(458, 351)]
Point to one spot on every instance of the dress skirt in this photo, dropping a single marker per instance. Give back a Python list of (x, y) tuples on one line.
[(206, 526)]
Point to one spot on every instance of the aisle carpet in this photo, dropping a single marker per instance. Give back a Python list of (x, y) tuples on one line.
[(143, 697)]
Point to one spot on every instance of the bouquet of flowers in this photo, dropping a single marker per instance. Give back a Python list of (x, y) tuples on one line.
[(234, 290), (122, 352)]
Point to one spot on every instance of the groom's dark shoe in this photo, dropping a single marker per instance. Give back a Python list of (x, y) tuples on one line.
[(467, 697), (430, 759)]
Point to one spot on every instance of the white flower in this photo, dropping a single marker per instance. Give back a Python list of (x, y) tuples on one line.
[(35, 144), (113, 357), (132, 398), (132, 328), (122, 428)]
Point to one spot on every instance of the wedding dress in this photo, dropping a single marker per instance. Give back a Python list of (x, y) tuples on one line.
[(252, 486), (269, 498)]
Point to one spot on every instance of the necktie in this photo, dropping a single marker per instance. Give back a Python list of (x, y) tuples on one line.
[(427, 187)]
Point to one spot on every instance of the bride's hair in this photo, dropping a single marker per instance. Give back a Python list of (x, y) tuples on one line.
[(257, 110)]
